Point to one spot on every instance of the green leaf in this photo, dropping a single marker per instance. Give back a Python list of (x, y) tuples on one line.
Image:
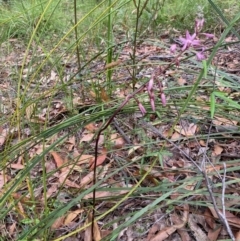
[(205, 68), (212, 105)]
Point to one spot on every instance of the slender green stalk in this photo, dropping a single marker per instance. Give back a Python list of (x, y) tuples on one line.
[(110, 50)]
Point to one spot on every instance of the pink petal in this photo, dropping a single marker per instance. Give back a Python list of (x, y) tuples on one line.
[(188, 36), (173, 48), (200, 56), (208, 35)]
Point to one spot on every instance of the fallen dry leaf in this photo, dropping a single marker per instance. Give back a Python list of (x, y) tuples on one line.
[(83, 159), (117, 141), (52, 189), (72, 215), (100, 159), (187, 130), (91, 127), (24, 200), (197, 231), (167, 231), (214, 233), (87, 179), (210, 220), (175, 136), (3, 136), (102, 194), (181, 81), (103, 95), (153, 231), (12, 228), (17, 166), (237, 236), (87, 138), (223, 121), (217, 150), (59, 222), (181, 231), (71, 142), (231, 218), (58, 159), (64, 171), (88, 236), (113, 64)]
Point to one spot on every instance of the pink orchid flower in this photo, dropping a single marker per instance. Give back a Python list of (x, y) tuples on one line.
[(200, 56), (173, 48), (189, 41)]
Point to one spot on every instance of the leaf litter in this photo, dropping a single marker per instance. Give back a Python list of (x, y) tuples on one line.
[(70, 166)]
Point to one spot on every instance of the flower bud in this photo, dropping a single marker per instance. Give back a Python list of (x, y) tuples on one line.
[(150, 84), (163, 99), (152, 102), (141, 108)]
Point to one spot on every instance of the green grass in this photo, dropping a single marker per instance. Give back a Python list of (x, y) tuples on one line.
[(53, 84)]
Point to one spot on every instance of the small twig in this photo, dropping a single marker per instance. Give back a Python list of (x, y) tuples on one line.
[(223, 189)]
